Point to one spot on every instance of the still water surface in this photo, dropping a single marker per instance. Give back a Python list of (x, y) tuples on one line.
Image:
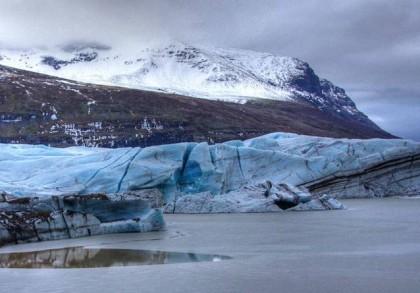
[(81, 257)]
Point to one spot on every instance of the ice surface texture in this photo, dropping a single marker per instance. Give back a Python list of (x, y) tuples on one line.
[(58, 217), (339, 167)]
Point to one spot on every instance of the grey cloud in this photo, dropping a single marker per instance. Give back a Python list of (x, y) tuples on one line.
[(371, 47), (395, 109)]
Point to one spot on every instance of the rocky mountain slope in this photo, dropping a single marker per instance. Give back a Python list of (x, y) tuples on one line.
[(217, 74), (36, 108)]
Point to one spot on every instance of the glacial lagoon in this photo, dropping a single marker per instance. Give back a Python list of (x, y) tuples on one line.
[(372, 246)]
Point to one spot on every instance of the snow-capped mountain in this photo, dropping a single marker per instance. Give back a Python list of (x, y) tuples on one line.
[(196, 71), (77, 101), (42, 109)]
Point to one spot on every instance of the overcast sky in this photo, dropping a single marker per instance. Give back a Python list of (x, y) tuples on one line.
[(369, 47)]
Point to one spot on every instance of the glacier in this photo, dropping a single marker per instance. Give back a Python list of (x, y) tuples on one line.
[(59, 217), (54, 193), (338, 167)]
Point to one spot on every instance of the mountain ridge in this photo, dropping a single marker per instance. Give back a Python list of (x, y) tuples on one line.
[(212, 73)]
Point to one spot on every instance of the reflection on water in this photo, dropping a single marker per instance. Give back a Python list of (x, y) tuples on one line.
[(80, 257)]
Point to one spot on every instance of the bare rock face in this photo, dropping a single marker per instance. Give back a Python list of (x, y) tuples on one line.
[(58, 217)]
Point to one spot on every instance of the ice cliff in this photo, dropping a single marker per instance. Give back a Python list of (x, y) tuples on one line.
[(53, 193), (28, 219), (339, 167)]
